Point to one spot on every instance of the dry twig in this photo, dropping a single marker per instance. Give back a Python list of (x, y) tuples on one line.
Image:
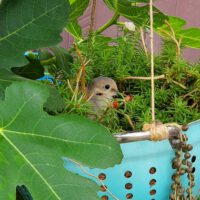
[(143, 78), (81, 75), (143, 41), (92, 18)]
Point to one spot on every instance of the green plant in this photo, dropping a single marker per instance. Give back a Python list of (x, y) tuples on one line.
[(41, 125), (32, 141), (177, 96), (33, 144)]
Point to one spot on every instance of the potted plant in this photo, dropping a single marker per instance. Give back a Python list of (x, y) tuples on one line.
[(40, 120)]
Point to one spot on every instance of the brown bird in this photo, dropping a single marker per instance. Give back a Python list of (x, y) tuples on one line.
[(101, 91)]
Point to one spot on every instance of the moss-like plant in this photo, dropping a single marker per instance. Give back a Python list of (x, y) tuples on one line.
[(124, 59)]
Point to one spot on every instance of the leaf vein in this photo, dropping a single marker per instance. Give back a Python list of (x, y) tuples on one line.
[(56, 139), (31, 165), (19, 111), (31, 22)]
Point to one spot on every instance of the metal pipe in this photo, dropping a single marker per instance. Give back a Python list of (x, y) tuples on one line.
[(173, 131)]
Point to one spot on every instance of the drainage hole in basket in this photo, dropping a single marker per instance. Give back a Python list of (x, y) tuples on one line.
[(104, 197), (128, 174), (152, 170), (193, 169), (102, 176), (128, 186), (129, 196), (193, 159), (103, 188), (152, 192), (152, 182)]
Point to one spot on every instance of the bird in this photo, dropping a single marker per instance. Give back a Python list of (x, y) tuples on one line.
[(101, 91)]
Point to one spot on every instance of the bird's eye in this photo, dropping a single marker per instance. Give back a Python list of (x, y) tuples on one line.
[(107, 86), (99, 94)]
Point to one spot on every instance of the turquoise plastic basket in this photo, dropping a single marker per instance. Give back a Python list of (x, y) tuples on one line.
[(145, 172)]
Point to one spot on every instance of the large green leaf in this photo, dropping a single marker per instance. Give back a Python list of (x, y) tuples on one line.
[(32, 144), (7, 78), (53, 104), (75, 30), (29, 24), (138, 14), (190, 37), (77, 8)]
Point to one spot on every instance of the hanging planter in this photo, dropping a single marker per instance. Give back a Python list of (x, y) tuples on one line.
[(146, 169), (149, 170), (40, 122)]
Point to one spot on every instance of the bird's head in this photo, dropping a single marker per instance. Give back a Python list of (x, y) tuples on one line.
[(102, 88)]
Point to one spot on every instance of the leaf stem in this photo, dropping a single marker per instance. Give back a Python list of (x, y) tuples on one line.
[(112, 21), (173, 37)]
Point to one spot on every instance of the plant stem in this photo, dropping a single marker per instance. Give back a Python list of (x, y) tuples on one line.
[(70, 87), (143, 78), (173, 37), (129, 121), (155, 78), (48, 61), (143, 41), (83, 87), (92, 17), (189, 93), (179, 84), (112, 21), (120, 23)]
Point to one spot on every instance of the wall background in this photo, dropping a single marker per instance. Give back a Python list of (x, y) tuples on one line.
[(186, 9)]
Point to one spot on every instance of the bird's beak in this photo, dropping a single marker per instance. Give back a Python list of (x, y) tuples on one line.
[(115, 94), (114, 90)]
